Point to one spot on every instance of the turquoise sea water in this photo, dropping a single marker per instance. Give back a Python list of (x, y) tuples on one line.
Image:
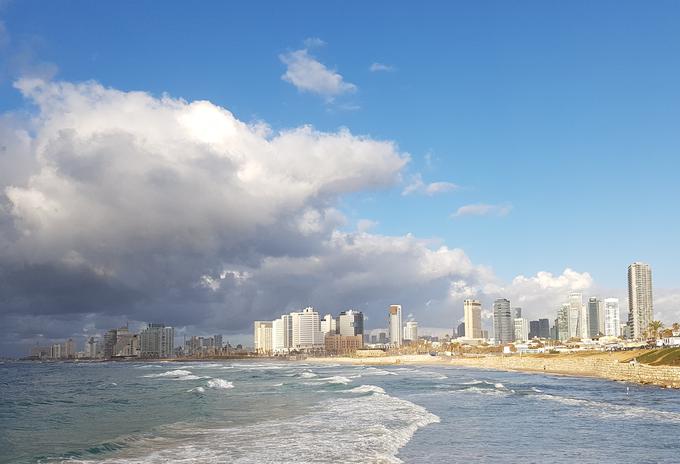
[(257, 412)]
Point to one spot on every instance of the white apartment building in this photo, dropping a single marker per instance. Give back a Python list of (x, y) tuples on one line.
[(262, 337), (328, 324), (612, 317), (472, 314), (396, 331), (306, 330), (411, 331), (282, 334), (521, 329)]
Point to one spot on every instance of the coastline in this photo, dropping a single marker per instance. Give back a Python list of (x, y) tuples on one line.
[(609, 366)]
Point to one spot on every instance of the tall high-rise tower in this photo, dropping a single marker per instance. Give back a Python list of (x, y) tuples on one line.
[(472, 313), (503, 325), (396, 327), (640, 304)]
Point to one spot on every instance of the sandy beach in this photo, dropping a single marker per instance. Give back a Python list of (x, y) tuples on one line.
[(617, 366)]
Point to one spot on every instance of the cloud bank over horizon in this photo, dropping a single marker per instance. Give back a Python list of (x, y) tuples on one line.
[(120, 206)]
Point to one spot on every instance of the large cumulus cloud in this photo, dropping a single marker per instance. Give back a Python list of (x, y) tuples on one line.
[(118, 206)]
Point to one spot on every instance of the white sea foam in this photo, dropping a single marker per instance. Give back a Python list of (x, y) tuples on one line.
[(486, 391), (219, 384), (332, 431), (336, 379), (174, 373), (366, 389), (499, 386), (472, 382), (197, 390), (308, 375), (177, 374)]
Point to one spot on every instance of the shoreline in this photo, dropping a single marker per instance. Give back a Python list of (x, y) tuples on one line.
[(607, 366)]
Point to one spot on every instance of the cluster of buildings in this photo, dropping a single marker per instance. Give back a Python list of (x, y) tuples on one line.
[(576, 318), (155, 341), (306, 332)]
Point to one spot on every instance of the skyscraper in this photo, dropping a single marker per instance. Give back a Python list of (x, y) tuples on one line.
[(533, 329), (521, 328), (396, 330), (612, 317), (262, 337), (562, 323), (516, 312), (576, 318), (544, 328), (472, 313), (328, 324), (350, 323), (307, 334), (640, 304), (503, 328), (282, 334), (157, 341), (411, 331), (460, 330), (594, 305)]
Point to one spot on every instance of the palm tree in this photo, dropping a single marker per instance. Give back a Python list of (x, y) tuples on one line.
[(654, 328)]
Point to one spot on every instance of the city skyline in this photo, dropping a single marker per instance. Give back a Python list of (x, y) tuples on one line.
[(208, 180)]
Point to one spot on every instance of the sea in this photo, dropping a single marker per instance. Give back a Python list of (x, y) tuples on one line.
[(297, 412)]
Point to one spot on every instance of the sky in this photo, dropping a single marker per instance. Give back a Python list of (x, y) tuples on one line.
[(209, 165)]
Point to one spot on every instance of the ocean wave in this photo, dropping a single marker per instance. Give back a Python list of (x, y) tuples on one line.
[(336, 379), (366, 389), (196, 390), (308, 375), (607, 410), (219, 384), (334, 431), (177, 374)]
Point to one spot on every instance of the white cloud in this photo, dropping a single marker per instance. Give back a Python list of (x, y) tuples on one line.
[(309, 75), (365, 225), (378, 67), (313, 42), (481, 209), (418, 186)]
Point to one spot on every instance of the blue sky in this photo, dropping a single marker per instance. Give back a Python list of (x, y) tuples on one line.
[(562, 117), (570, 113)]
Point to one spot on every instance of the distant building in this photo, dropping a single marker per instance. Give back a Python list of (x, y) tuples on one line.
[(576, 318), (337, 344), (395, 325), (562, 323), (533, 330), (594, 306), (109, 343), (411, 331), (612, 317), (516, 312), (382, 338), (157, 341), (262, 337), (544, 328), (282, 334), (218, 342), (472, 313), (521, 325), (503, 328), (328, 324), (307, 334), (350, 323), (460, 330), (640, 303)]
